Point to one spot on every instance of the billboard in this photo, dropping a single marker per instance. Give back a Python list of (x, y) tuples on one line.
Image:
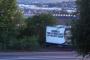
[(55, 35)]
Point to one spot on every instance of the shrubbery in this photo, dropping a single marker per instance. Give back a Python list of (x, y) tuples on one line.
[(25, 43), (12, 24), (29, 43), (18, 33)]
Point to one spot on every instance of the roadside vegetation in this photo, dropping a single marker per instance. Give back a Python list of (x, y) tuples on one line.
[(19, 33), (81, 29)]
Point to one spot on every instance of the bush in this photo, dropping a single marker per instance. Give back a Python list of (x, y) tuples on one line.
[(28, 43)]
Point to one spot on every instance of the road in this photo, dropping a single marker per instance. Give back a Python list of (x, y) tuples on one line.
[(39, 56)]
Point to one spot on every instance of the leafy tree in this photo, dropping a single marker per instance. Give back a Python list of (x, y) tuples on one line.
[(9, 17), (37, 25), (81, 29)]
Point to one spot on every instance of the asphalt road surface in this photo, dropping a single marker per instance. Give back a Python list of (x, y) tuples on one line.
[(39, 56)]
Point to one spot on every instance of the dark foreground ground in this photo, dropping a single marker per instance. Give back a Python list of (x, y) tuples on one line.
[(52, 48), (55, 49)]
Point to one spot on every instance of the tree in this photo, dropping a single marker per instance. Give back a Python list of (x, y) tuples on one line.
[(37, 25), (8, 23), (81, 29)]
